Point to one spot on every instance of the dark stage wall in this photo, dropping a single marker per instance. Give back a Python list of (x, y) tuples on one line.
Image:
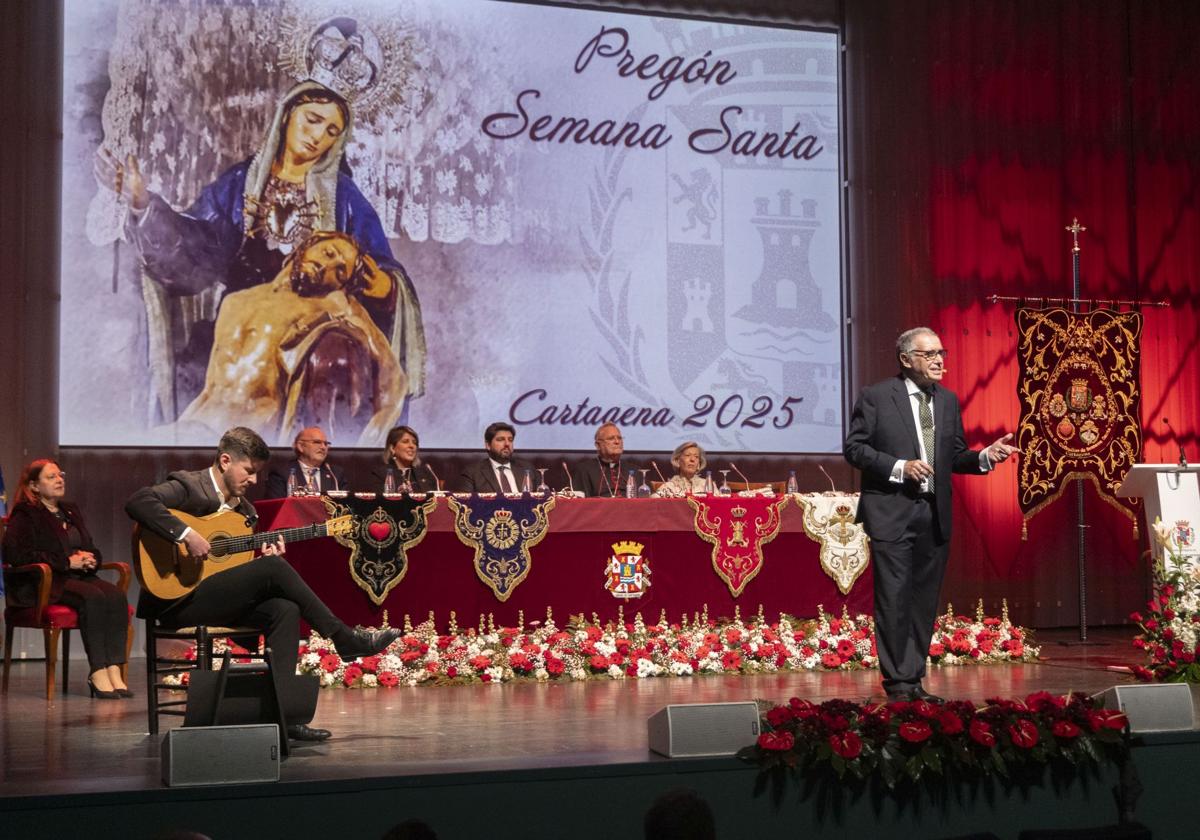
[(974, 133)]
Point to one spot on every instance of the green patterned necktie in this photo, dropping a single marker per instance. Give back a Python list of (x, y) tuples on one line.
[(926, 416)]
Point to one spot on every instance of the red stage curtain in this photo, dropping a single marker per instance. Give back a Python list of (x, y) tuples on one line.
[(1017, 117)]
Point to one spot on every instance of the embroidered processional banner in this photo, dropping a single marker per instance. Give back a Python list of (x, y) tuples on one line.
[(738, 528), (384, 529), (502, 530), (829, 519), (1080, 404)]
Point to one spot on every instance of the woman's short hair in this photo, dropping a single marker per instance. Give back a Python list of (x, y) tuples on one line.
[(394, 435), (683, 447)]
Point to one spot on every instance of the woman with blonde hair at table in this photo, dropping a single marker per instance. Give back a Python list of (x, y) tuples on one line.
[(689, 462)]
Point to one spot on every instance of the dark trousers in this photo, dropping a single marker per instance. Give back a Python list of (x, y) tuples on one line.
[(908, 581), (103, 619), (265, 593)]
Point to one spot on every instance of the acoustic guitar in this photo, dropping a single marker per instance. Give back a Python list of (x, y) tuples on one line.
[(167, 571)]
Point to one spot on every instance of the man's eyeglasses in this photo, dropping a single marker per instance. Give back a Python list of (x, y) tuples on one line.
[(316, 441), (929, 355)]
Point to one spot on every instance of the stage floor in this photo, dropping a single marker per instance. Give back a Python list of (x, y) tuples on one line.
[(78, 745)]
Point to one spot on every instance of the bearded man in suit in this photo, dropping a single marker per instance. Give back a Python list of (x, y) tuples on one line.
[(906, 436), (498, 472)]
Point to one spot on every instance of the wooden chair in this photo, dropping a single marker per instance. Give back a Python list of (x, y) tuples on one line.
[(54, 620), (161, 666)]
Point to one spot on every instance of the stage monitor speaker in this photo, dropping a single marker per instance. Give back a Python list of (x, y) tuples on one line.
[(220, 755), (703, 729), (1155, 707)]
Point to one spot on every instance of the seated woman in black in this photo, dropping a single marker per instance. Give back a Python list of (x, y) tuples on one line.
[(402, 463), (43, 528)]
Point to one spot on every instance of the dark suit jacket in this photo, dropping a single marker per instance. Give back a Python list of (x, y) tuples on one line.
[(277, 478), (34, 535), (190, 491), (594, 479), (421, 480), (882, 431), (481, 478)]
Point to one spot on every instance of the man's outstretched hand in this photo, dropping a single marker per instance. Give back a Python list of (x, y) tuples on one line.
[(1001, 450)]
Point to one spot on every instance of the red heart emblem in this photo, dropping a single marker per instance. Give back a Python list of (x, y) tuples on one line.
[(379, 531)]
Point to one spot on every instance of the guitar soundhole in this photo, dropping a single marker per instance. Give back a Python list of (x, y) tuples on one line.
[(216, 548)]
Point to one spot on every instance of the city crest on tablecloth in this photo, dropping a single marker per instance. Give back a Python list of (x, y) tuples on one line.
[(502, 530), (384, 529), (627, 574)]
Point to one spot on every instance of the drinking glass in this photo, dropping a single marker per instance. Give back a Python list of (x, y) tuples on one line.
[(542, 488), (643, 490), (389, 483), (724, 489), (293, 484)]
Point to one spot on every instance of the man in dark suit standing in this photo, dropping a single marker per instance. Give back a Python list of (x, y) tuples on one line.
[(310, 466), (601, 476), (906, 436), (266, 592), (498, 472)]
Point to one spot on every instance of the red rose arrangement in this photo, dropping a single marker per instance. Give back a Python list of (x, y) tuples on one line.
[(905, 741)]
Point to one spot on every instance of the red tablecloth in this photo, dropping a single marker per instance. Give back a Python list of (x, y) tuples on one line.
[(568, 568)]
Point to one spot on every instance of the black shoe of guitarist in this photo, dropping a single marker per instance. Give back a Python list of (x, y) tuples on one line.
[(304, 732), (351, 644)]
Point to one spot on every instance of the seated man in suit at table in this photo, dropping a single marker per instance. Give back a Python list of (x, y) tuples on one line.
[(266, 592), (603, 475), (310, 466), (498, 472)]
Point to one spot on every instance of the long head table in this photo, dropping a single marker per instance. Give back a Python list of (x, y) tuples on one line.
[(568, 569)]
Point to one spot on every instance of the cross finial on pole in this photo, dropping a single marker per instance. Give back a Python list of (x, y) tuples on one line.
[(1075, 228)]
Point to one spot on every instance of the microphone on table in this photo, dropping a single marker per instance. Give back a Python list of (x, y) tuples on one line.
[(740, 475), (832, 486), (1182, 456), (657, 470), (437, 482), (570, 482)]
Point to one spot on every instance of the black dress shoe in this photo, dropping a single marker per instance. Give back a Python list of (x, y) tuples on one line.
[(920, 693), (304, 732), (366, 642), (901, 696)]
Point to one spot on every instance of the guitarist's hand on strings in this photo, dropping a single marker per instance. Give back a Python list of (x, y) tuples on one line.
[(273, 548), (197, 546)]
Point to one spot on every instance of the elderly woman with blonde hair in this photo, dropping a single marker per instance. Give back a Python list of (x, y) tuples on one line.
[(689, 461)]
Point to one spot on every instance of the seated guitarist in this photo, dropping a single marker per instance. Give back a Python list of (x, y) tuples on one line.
[(266, 592)]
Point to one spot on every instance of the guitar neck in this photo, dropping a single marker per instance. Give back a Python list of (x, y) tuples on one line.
[(249, 542)]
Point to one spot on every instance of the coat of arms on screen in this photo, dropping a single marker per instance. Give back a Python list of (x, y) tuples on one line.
[(628, 572)]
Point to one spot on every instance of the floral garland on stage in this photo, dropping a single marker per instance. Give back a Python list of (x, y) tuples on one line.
[(1171, 624), (636, 650), (907, 740)]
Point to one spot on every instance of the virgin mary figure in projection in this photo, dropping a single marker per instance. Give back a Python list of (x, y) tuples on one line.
[(242, 228)]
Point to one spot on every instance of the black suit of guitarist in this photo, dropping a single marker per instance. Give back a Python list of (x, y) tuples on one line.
[(267, 592)]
